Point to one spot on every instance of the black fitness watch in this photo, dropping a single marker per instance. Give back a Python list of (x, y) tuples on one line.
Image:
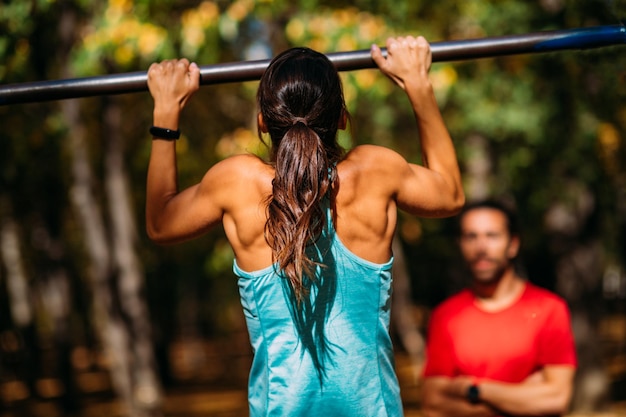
[(473, 394)]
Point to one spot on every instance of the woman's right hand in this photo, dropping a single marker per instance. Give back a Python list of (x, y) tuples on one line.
[(408, 59), (173, 82)]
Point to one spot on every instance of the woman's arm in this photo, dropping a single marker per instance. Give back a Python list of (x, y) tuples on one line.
[(172, 215), (434, 189)]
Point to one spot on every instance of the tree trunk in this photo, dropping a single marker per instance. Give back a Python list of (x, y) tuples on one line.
[(17, 283), (19, 298), (114, 317), (579, 279), (579, 273), (53, 289), (146, 387)]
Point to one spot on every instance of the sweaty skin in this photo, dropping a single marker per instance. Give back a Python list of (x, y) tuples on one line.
[(373, 181), (371, 184)]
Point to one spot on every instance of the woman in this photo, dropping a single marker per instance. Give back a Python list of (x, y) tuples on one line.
[(311, 229)]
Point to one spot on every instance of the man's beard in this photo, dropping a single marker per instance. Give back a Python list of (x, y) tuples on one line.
[(488, 276)]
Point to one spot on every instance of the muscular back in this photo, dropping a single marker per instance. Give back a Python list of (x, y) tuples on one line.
[(372, 181), (364, 210)]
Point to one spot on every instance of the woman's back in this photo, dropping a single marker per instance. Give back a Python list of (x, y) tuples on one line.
[(343, 365), (364, 209), (311, 228)]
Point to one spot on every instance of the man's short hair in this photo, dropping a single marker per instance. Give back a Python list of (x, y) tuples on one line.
[(509, 213)]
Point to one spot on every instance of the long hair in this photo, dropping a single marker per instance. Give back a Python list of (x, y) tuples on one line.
[(301, 101)]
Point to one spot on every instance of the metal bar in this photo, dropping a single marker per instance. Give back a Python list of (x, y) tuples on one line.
[(538, 42)]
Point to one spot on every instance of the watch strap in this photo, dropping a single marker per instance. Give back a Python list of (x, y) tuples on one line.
[(473, 394), (162, 133)]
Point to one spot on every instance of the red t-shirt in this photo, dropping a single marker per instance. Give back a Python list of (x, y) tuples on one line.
[(505, 346)]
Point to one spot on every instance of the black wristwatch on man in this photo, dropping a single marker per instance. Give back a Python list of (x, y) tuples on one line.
[(473, 394)]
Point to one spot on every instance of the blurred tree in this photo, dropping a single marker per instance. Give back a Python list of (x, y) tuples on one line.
[(545, 131), (536, 130)]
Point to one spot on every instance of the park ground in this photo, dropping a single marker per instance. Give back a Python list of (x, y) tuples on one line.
[(199, 400)]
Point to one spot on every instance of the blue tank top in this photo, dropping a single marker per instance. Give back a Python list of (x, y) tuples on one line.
[(341, 364)]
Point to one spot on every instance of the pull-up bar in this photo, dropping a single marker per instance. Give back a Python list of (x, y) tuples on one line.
[(581, 38)]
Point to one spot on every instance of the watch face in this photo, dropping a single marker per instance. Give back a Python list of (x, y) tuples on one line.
[(473, 394)]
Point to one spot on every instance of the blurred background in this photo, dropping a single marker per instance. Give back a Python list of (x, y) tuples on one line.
[(95, 320)]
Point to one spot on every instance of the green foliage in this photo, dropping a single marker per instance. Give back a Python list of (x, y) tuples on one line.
[(15, 28), (547, 120)]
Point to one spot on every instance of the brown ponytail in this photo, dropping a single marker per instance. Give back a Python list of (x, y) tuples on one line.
[(296, 214), (301, 101)]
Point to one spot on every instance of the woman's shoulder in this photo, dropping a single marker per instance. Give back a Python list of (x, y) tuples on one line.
[(370, 149), (371, 171), (241, 164), (244, 159), (373, 155), (244, 170)]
